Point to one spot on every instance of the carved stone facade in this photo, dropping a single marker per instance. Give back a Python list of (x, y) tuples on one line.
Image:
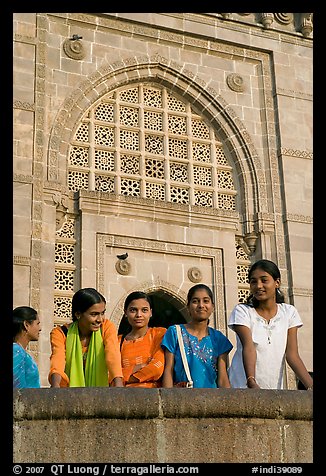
[(177, 143)]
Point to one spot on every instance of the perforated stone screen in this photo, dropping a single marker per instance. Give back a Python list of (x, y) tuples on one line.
[(64, 271), (142, 141)]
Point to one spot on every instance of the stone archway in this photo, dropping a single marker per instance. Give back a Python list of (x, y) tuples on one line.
[(205, 100), (167, 309)]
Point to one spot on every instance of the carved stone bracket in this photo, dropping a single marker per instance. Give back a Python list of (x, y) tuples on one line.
[(306, 25), (61, 203), (250, 240), (267, 19)]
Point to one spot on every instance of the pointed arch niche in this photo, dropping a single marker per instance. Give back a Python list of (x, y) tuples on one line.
[(250, 186), (88, 130)]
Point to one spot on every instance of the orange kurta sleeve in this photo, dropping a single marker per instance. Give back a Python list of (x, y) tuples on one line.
[(148, 351), (112, 350), (154, 369), (58, 355)]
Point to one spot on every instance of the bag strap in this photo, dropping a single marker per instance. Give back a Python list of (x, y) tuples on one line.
[(183, 355)]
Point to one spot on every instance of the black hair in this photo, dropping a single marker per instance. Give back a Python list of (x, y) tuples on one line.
[(20, 315), (194, 288), (271, 268), (83, 299), (137, 295)]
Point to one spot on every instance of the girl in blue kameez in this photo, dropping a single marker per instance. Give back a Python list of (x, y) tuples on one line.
[(206, 348), (26, 328)]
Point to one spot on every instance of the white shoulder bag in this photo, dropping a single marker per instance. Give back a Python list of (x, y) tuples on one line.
[(184, 358)]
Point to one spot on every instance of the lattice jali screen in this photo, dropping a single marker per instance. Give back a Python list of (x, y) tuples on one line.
[(243, 265), (64, 272), (142, 141)]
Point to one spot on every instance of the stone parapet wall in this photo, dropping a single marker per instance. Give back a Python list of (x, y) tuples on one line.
[(99, 425)]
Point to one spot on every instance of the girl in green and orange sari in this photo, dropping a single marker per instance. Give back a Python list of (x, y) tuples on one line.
[(86, 352)]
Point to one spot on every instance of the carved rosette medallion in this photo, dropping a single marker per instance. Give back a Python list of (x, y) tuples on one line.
[(235, 82), (194, 275), (123, 267), (74, 49), (284, 18)]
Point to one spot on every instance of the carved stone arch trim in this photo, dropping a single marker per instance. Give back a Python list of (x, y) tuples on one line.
[(148, 286), (189, 86)]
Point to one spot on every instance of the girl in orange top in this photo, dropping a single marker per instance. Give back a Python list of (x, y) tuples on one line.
[(141, 354), (86, 352)]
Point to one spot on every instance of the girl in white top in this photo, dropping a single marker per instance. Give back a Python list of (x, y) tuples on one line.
[(266, 331)]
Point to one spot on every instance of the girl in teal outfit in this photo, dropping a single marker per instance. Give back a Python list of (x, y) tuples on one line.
[(206, 348), (26, 328)]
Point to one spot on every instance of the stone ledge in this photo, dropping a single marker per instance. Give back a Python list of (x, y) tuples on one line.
[(138, 403)]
